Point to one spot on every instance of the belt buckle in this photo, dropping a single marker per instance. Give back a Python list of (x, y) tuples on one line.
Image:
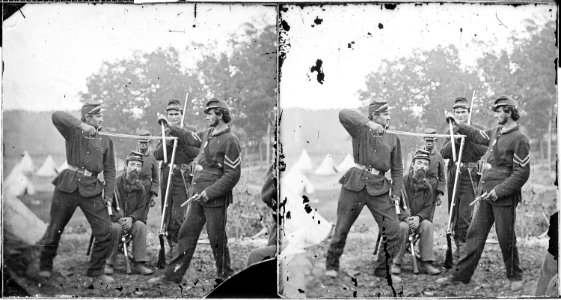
[(87, 173)]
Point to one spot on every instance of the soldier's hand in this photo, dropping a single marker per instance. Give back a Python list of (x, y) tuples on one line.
[(162, 119), (450, 118), (414, 222), (439, 199), (202, 197), (88, 129), (152, 200), (126, 223), (376, 128), (492, 195)]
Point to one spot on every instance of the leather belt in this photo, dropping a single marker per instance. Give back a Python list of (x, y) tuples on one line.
[(179, 166), (370, 170), (82, 171)]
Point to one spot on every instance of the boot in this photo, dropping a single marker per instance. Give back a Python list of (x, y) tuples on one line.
[(172, 247), (428, 268), (140, 268), (457, 253)]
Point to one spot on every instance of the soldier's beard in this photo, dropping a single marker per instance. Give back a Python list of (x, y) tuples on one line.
[(419, 174), (132, 176)]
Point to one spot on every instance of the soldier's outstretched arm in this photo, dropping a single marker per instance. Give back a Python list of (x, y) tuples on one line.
[(477, 136), (188, 137), (65, 123)]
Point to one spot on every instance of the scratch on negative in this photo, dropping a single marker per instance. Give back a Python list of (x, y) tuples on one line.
[(496, 15)]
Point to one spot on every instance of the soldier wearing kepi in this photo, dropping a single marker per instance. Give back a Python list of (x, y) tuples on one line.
[(218, 169), (78, 186), (149, 173), (418, 200), (435, 174), (375, 152), (468, 178), (507, 168), (128, 217), (181, 179)]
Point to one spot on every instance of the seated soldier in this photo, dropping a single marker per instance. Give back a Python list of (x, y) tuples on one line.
[(128, 217), (418, 201)]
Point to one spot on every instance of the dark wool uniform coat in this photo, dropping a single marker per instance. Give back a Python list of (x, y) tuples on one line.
[(382, 153), (132, 201), (220, 160), (418, 197), (508, 160), (93, 154)]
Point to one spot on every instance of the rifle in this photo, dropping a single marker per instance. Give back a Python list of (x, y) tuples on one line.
[(163, 230), (449, 260), (90, 245), (124, 235), (411, 239), (378, 240)]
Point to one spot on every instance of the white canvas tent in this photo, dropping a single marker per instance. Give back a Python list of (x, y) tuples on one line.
[(25, 165), (327, 166), (64, 166), (304, 162), (48, 169), (17, 184), (346, 164), (305, 228), (20, 221)]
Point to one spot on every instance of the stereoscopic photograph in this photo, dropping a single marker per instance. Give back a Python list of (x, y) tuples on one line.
[(136, 144), (420, 149)]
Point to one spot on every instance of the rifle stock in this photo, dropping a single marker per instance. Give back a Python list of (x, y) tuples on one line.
[(451, 221), (412, 245), (162, 254), (125, 252)]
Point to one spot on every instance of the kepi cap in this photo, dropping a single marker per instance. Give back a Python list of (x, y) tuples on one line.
[(421, 154), (460, 102), (504, 101), (174, 104), (134, 156), (143, 132), (430, 131), (91, 107), (378, 106), (215, 103)]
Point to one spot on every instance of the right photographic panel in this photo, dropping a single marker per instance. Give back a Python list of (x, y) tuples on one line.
[(419, 148)]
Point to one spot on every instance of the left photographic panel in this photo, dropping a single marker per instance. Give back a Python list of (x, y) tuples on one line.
[(137, 140)]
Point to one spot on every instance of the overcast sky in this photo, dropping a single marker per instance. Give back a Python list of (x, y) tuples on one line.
[(374, 34), (49, 53)]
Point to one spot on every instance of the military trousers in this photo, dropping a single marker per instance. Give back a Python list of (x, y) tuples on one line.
[(426, 241), (63, 206), (485, 214), (465, 194), (178, 195), (215, 219), (349, 206), (138, 232)]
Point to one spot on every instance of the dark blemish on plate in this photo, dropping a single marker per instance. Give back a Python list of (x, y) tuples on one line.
[(318, 21), (318, 68), (285, 25), (390, 6), (380, 26)]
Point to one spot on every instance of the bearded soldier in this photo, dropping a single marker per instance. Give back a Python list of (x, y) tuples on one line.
[(129, 202)]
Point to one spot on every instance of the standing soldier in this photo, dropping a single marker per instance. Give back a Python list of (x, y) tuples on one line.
[(217, 171), (468, 181), (149, 173), (506, 170), (78, 186), (181, 180), (435, 173), (375, 152)]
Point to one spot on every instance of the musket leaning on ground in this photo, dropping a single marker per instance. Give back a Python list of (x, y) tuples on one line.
[(163, 226), (124, 235), (449, 260), (411, 235)]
